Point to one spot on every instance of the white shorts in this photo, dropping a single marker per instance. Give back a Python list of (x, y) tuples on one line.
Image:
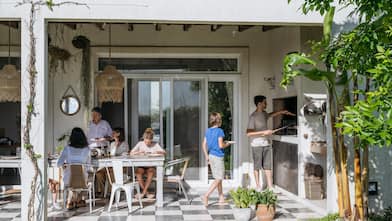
[(217, 167)]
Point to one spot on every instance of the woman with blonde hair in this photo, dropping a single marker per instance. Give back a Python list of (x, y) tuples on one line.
[(147, 146)]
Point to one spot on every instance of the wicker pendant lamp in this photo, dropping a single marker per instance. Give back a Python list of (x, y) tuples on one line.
[(110, 82), (9, 78)]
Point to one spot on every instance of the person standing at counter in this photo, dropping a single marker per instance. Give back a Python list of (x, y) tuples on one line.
[(99, 134), (99, 130), (260, 139)]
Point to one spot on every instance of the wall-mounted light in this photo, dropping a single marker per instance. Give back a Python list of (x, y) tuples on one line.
[(373, 188), (271, 81)]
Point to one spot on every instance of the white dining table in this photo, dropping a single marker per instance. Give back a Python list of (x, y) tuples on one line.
[(136, 161), (11, 162)]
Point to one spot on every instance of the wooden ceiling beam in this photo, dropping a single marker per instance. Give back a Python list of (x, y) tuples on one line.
[(186, 27), (215, 27), (242, 28), (130, 27), (101, 26), (158, 27), (265, 28), (72, 26)]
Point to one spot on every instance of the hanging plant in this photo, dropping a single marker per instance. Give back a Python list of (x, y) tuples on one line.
[(81, 42), (57, 56)]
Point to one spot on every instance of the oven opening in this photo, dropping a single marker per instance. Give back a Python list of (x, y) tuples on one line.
[(287, 122)]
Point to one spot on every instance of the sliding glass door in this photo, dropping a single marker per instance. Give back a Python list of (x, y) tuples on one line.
[(187, 119), (177, 111)]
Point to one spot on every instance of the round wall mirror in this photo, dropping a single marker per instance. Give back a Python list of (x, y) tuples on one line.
[(70, 105)]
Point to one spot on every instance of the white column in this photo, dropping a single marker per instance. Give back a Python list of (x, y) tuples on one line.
[(37, 134)]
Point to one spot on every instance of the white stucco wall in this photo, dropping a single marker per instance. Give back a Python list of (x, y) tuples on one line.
[(223, 11)]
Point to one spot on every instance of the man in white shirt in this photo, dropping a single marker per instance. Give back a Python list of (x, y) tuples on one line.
[(99, 131)]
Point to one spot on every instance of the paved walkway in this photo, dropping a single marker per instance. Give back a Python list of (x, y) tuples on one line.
[(175, 208)]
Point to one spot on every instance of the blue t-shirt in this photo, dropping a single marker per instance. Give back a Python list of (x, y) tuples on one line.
[(212, 135)]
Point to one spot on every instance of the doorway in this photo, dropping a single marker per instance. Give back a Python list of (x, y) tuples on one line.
[(176, 107)]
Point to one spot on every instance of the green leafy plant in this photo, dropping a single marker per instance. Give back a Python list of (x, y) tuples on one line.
[(61, 142), (266, 197), (329, 217), (385, 216), (242, 197)]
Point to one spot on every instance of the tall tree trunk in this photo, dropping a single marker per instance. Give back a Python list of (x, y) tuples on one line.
[(338, 170), (345, 184), (342, 102), (365, 168), (357, 160)]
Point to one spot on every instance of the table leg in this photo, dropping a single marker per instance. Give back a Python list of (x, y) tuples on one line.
[(159, 193)]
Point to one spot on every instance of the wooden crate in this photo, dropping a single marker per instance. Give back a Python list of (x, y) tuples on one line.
[(314, 189), (319, 147)]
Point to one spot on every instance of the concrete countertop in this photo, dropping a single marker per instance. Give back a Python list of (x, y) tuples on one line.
[(286, 138)]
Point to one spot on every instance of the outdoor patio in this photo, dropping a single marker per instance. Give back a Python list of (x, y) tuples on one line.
[(175, 208)]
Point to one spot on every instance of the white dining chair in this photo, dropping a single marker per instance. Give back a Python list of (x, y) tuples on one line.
[(78, 182), (177, 176), (120, 184)]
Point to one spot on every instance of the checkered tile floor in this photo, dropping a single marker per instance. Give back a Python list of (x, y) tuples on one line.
[(175, 208)]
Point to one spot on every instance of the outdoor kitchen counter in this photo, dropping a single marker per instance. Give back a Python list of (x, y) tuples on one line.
[(286, 138)]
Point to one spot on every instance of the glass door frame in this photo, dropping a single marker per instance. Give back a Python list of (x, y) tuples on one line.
[(204, 79), (235, 78)]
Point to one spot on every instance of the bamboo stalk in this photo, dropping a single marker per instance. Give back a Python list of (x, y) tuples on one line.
[(365, 168), (344, 100), (332, 116), (357, 159)]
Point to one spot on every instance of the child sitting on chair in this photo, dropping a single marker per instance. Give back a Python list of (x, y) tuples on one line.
[(147, 146)]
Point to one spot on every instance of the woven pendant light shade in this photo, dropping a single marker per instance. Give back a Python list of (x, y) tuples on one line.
[(110, 85), (9, 84)]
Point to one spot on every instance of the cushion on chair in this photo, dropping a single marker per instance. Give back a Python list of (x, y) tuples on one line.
[(77, 180)]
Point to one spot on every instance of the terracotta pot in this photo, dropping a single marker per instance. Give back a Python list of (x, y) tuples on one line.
[(265, 213)]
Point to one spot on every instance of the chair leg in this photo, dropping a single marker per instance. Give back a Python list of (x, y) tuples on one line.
[(93, 187), (118, 194), (128, 193), (138, 194), (65, 198), (111, 199), (90, 199), (106, 188), (183, 190)]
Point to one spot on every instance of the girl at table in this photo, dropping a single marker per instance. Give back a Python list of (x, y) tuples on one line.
[(117, 148), (147, 146), (76, 152)]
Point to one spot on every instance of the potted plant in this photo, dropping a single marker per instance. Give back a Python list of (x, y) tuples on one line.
[(265, 205), (242, 199)]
